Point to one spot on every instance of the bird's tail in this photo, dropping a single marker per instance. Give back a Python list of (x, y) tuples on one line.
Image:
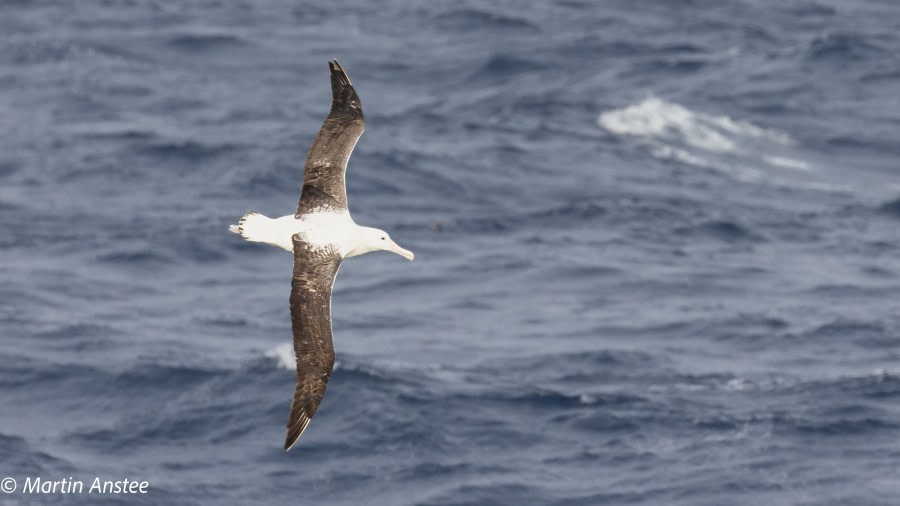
[(254, 227)]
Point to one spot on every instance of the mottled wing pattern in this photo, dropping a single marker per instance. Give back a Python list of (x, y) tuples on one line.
[(315, 268), (323, 176)]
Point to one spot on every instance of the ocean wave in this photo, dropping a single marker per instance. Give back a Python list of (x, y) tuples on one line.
[(578, 366), (141, 259), (8, 168), (504, 67), (864, 421), (169, 404), (891, 208), (442, 470), (29, 372), (845, 48), (727, 231), (470, 19), (350, 370), (25, 459), (657, 118), (673, 132), (162, 376), (498, 492), (112, 130), (198, 41), (188, 150), (283, 356), (37, 52), (77, 331), (417, 385), (615, 208)]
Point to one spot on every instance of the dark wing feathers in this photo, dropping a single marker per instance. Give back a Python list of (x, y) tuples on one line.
[(314, 271), (323, 176)]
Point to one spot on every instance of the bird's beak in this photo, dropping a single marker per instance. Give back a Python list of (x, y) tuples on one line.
[(405, 253)]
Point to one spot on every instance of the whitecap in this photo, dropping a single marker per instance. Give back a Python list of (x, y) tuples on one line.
[(587, 399), (737, 385), (671, 131), (284, 356), (788, 163), (657, 118)]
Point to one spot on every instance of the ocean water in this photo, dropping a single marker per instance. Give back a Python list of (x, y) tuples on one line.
[(656, 251)]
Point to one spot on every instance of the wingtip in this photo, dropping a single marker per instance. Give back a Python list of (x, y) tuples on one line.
[(338, 72), (293, 436), (290, 441)]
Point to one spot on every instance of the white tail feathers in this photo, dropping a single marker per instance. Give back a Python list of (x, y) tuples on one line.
[(253, 227), (256, 227)]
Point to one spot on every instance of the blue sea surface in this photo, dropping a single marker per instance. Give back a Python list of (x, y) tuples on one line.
[(657, 251)]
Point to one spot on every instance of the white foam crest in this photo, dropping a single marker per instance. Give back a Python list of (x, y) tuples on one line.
[(666, 152), (672, 131), (656, 118), (788, 163), (284, 356), (737, 385), (285, 359), (587, 400), (682, 155)]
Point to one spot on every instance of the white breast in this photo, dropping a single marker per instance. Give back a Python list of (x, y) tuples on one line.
[(329, 228)]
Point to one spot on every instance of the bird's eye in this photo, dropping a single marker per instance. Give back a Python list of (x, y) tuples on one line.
[(382, 238)]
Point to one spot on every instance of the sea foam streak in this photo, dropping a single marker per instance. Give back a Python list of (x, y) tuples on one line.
[(675, 132)]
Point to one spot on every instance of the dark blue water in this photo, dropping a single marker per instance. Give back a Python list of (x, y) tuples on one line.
[(657, 251)]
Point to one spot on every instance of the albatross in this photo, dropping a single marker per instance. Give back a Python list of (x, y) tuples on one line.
[(320, 235)]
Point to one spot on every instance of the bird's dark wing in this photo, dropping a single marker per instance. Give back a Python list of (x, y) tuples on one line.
[(314, 271), (323, 176)]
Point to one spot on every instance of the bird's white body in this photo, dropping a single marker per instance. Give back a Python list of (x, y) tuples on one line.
[(321, 228)]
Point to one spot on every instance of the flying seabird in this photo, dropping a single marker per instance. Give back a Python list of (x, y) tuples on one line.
[(320, 234)]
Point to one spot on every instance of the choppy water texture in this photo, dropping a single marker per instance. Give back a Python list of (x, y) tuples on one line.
[(656, 251)]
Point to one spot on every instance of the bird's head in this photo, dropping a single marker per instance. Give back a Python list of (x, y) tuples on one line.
[(375, 239)]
